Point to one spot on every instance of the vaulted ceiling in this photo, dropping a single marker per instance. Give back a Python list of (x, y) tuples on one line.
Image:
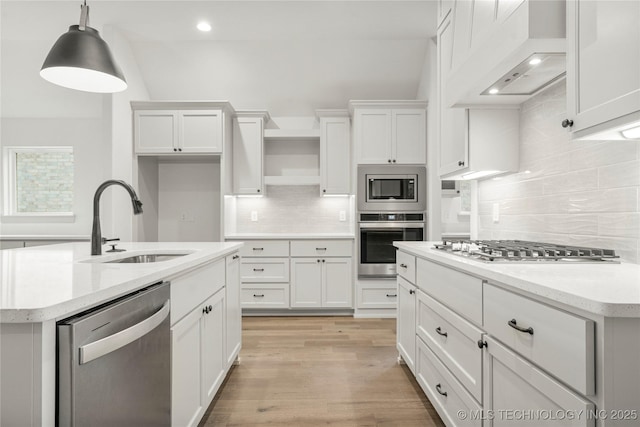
[(289, 57)]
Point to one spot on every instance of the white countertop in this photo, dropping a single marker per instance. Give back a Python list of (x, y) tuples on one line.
[(54, 281), (289, 236), (607, 289), (43, 237)]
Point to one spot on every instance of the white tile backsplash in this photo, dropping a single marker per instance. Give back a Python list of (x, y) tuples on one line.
[(291, 209), (575, 192)]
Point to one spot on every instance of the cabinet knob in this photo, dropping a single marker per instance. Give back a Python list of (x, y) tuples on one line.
[(461, 163), (258, 190), (210, 309), (389, 161), (567, 123), (179, 149), (323, 260), (411, 292), (175, 149), (482, 343), (324, 190), (317, 260), (394, 160), (235, 257), (205, 310)]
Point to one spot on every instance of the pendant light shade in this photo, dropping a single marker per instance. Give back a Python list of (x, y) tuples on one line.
[(81, 60)]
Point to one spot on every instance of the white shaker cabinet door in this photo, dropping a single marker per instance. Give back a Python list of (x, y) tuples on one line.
[(409, 142), (337, 275), (213, 351), (372, 136), (306, 282), (155, 131), (200, 131), (247, 155), (335, 156), (406, 322), (233, 315)]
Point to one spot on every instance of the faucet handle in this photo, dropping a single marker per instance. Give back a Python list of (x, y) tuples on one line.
[(105, 240)]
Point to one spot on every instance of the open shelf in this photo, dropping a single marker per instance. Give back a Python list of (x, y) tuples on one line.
[(292, 180), (292, 134)]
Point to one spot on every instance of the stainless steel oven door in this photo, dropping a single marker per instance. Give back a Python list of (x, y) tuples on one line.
[(377, 255)]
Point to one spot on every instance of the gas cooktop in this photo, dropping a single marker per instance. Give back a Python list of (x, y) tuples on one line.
[(524, 251)]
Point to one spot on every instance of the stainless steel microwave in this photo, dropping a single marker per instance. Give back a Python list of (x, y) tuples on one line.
[(394, 188)]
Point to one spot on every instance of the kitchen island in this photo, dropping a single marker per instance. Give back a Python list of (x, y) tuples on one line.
[(521, 341), (45, 284)]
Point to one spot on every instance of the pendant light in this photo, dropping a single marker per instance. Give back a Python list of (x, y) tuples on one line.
[(81, 60)]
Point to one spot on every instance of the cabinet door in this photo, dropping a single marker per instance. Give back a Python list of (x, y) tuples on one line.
[(186, 374), (247, 155), (373, 136), (335, 156), (200, 131), (409, 141), (454, 140), (212, 344), (406, 322), (462, 16), (306, 282), (155, 131), (513, 384), (233, 315), (337, 275), (603, 61)]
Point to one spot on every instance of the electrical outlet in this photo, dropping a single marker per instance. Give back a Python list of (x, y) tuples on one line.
[(186, 217), (343, 215), (254, 216), (496, 212)]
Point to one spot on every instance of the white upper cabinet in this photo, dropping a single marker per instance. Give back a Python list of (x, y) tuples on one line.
[(172, 127), (389, 132), (335, 153), (248, 140), (603, 66), (483, 142)]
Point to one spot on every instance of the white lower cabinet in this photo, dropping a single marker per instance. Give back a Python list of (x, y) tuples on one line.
[(206, 338), (321, 282), (406, 322), (516, 392), (447, 395)]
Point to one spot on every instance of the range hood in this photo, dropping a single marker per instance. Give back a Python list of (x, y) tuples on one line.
[(512, 58), (529, 77)]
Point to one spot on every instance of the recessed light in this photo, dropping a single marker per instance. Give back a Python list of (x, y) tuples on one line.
[(493, 91), (535, 61), (204, 26)]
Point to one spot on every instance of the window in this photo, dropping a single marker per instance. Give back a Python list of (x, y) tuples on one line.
[(38, 181)]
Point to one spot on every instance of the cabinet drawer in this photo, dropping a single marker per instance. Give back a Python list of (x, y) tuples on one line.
[(265, 295), (458, 291), (373, 297), (321, 248), (453, 340), (511, 383), (265, 248), (557, 341), (435, 380), (192, 288), (406, 266), (264, 270)]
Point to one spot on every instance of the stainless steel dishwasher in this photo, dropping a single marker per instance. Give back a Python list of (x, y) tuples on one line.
[(114, 363)]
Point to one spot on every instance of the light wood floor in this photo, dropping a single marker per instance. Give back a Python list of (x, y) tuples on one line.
[(312, 371)]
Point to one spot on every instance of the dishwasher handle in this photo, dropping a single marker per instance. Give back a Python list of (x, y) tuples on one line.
[(118, 340)]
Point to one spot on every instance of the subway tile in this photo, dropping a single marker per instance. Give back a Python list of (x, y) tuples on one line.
[(620, 175), (571, 224), (619, 225), (611, 200), (602, 154), (571, 182)]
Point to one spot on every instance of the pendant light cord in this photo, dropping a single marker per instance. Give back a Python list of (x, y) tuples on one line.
[(84, 16)]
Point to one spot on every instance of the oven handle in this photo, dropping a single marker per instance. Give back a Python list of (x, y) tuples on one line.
[(387, 225)]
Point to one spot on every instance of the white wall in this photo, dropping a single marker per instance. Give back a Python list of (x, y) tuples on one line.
[(582, 193), (89, 149), (119, 132)]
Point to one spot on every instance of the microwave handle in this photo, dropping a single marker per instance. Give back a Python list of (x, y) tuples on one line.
[(388, 225)]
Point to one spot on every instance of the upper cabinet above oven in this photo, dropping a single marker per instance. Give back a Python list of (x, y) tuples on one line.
[(500, 52), (390, 132)]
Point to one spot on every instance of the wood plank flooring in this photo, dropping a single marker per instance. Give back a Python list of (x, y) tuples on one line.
[(312, 371)]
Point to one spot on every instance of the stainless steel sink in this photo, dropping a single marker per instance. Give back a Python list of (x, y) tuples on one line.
[(138, 259)]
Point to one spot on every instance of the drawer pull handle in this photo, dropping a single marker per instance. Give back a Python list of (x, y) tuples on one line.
[(403, 265), (515, 326), (439, 331), (321, 249), (482, 343), (392, 295), (258, 295), (258, 249), (258, 269), (439, 390), (235, 257)]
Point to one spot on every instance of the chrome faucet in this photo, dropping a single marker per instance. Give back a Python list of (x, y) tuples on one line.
[(96, 235)]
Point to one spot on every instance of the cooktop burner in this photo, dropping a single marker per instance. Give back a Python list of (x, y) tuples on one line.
[(524, 251)]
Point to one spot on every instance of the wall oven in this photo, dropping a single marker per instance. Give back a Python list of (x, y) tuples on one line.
[(378, 231), (391, 188)]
